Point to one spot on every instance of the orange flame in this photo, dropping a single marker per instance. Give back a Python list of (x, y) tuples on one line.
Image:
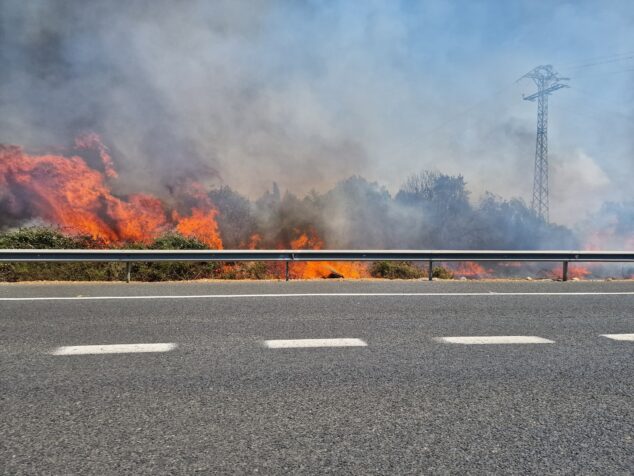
[(323, 269), (608, 238), (201, 225), (254, 241), (92, 141), (67, 192), (470, 269), (574, 271)]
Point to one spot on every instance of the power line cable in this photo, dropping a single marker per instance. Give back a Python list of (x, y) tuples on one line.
[(597, 59), (596, 106), (605, 73), (599, 63)]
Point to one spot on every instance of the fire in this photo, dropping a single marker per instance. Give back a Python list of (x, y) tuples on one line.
[(66, 191), (328, 269), (574, 271), (608, 238), (254, 241), (139, 218), (323, 269), (74, 190), (307, 241), (200, 224), (470, 269), (92, 141)]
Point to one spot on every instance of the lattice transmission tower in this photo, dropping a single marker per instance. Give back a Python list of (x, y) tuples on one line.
[(547, 81)]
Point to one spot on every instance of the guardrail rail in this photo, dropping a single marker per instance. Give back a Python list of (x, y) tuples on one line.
[(288, 256)]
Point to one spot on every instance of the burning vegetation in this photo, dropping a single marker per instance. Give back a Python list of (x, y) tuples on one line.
[(66, 191), (78, 192)]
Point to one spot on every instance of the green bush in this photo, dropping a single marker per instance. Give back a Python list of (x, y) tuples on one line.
[(175, 241), (173, 271), (48, 238), (246, 270), (38, 237), (442, 273), (395, 270), (12, 272)]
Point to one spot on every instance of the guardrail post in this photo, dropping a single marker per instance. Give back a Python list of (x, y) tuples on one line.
[(287, 273), (431, 270), (564, 275), (128, 271)]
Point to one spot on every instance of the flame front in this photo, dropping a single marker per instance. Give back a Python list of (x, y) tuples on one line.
[(471, 269), (200, 224), (74, 191), (66, 191), (323, 269)]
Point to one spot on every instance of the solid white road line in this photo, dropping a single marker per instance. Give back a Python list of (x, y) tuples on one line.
[(627, 337), (309, 343), (112, 349), (300, 295), (475, 340)]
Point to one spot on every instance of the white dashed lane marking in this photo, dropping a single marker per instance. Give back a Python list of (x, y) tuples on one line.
[(113, 349), (310, 343), (481, 340), (624, 337)]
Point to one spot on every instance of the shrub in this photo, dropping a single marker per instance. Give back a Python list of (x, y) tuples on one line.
[(442, 273), (176, 241), (38, 237), (256, 270), (49, 238), (245, 270), (173, 271), (395, 270)]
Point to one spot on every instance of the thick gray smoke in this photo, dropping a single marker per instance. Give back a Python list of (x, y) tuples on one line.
[(306, 93), (174, 88), (430, 211)]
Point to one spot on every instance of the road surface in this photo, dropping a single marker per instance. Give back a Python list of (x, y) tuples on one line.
[(317, 377)]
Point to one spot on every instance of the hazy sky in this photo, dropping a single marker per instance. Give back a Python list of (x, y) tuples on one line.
[(307, 93)]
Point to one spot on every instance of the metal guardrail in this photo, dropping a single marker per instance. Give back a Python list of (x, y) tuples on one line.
[(131, 256)]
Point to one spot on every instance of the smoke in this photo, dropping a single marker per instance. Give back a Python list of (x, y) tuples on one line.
[(176, 88), (243, 93), (612, 227), (430, 211)]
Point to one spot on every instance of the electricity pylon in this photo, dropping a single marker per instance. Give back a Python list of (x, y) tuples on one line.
[(547, 81)]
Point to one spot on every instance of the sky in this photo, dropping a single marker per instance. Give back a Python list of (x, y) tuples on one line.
[(307, 93)]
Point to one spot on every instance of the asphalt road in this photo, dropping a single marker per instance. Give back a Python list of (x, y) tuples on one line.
[(218, 399)]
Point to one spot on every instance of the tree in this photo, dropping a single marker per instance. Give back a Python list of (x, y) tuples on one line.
[(236, 220), (439, 203)]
